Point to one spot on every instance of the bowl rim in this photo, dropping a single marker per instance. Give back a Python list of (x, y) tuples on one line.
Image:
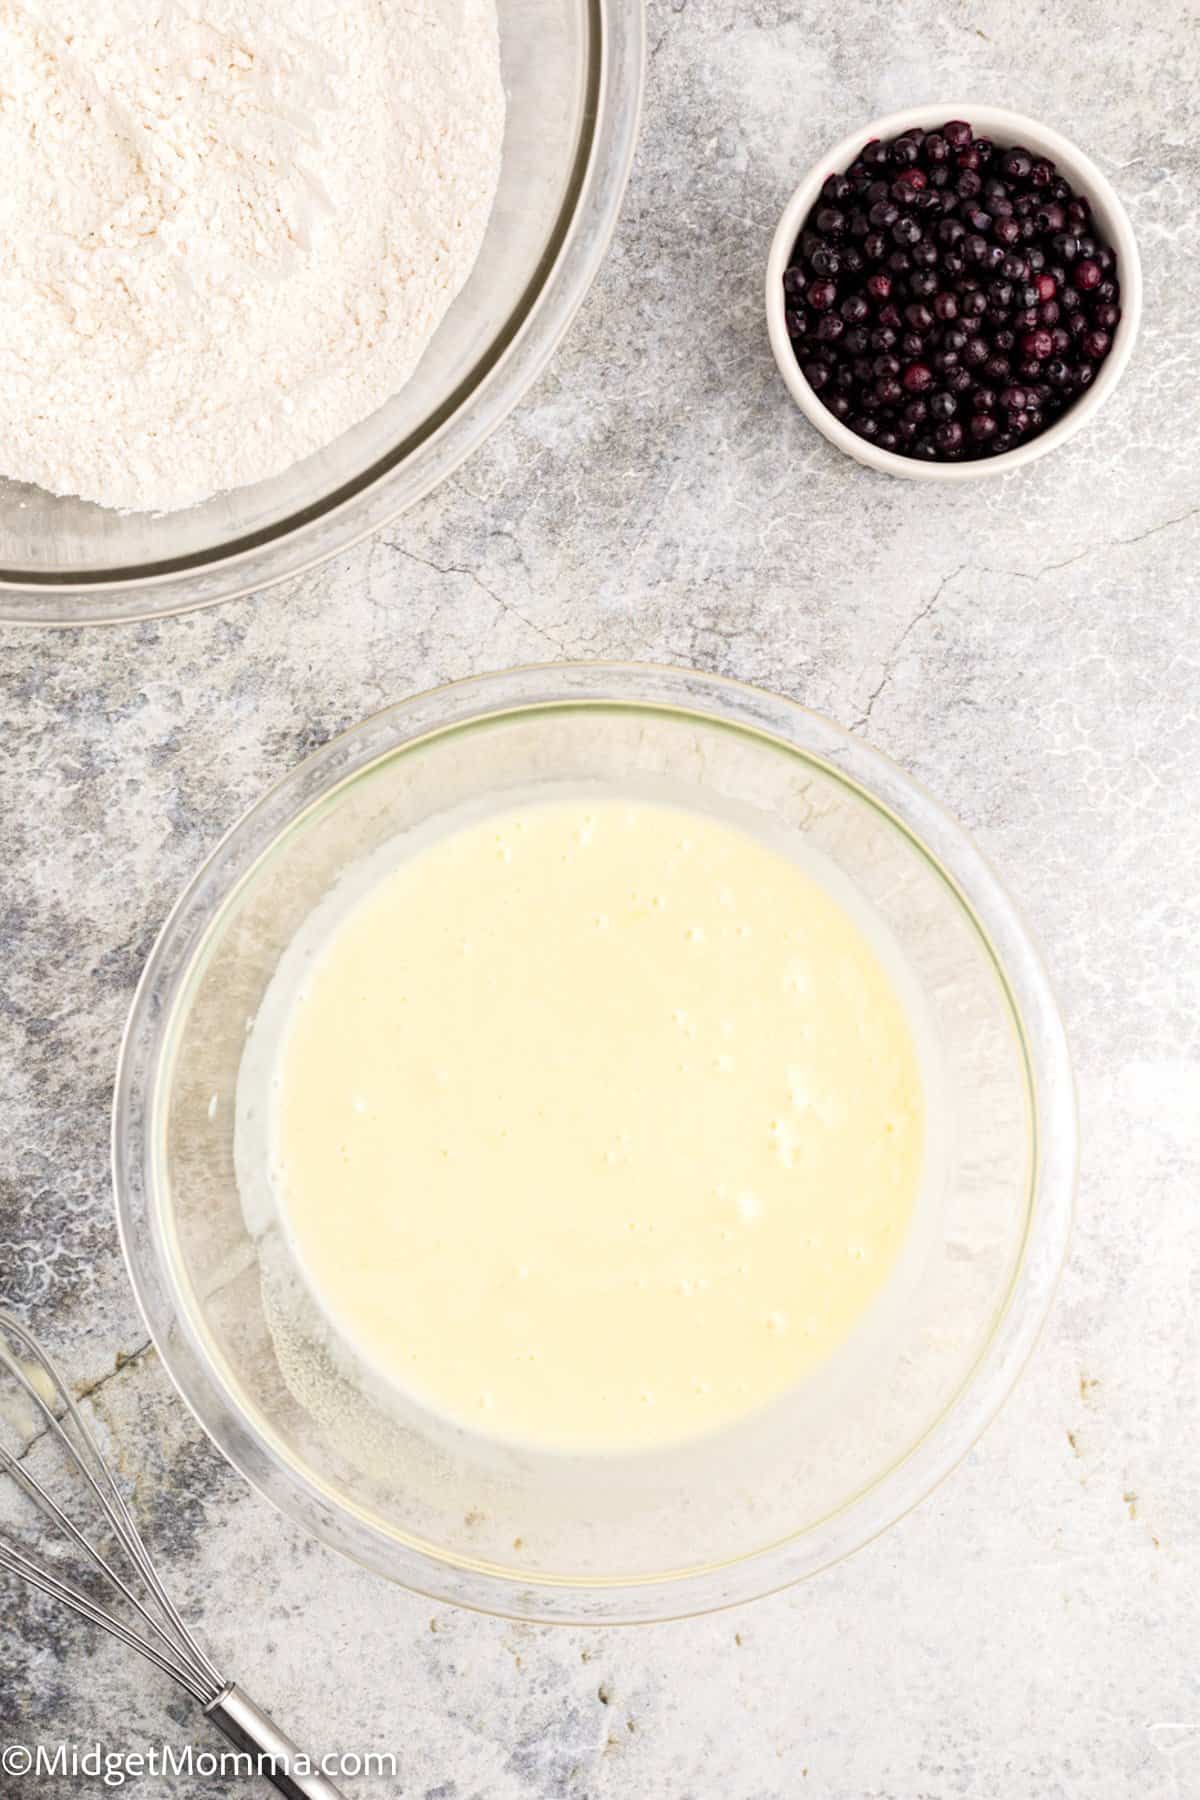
[(310, 1502), (1005, 125), (611, 110)]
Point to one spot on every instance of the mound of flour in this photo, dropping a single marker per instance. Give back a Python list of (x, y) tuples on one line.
[(229, 227)]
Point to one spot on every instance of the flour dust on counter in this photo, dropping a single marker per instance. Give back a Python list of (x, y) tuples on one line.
[(595, 1124), (230, 231)]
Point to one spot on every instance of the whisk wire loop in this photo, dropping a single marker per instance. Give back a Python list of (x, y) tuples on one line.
[(168, 1644), (9, 1465), (17, 1563), (187, 1661)]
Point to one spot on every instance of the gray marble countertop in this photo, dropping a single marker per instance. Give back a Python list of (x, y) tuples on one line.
[(1026, 647)]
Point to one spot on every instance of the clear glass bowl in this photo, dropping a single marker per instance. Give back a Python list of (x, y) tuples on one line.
[(652, 1535), (573, 75)]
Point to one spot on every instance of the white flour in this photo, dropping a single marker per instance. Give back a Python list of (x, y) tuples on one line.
[(229, 227)]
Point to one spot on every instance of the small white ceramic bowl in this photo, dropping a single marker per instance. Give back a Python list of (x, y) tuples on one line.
[(1006, 128)]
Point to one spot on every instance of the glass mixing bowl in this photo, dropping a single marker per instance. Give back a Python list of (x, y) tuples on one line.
[(655, 1534), (573, 76)]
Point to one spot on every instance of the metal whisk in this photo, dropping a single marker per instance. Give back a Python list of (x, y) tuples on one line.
[(159, 1634)]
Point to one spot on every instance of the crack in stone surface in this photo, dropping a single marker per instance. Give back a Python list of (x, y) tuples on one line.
[(126, 1362), (1092, 549), (889, 661), (505, 606), (924, 611)]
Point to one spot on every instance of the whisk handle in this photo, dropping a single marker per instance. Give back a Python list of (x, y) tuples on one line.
[(254, 1732)]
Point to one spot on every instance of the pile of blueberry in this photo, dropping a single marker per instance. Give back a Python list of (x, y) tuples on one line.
[(949, 298)]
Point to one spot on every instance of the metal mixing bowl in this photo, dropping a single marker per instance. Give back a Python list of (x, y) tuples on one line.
[(573, 75)]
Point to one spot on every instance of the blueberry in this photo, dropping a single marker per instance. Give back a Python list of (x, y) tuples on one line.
[(906, 187), (948, 436)]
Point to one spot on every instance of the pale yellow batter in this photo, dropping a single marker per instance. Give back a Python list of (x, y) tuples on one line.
[(597, 1124)]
